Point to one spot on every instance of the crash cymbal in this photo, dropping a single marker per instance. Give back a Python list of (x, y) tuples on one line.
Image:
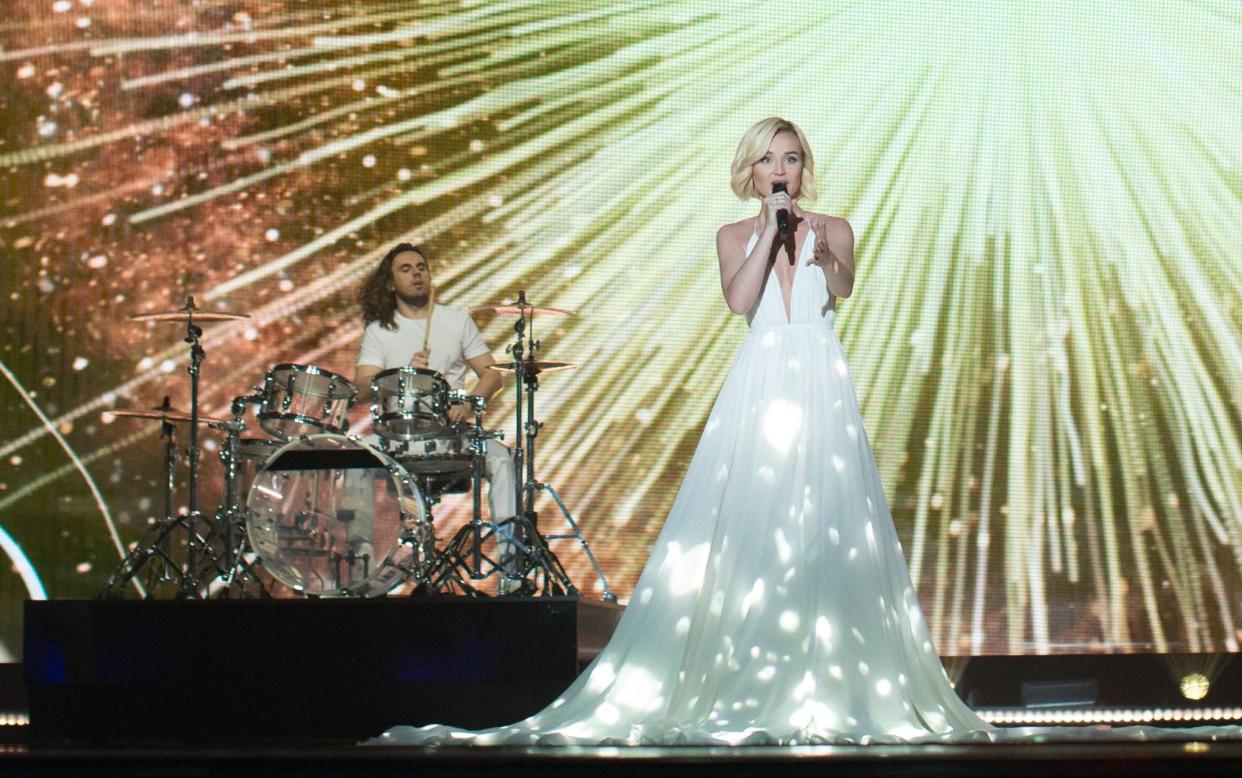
[(530, 310), (162, 413), (186, 312), (534, 366)]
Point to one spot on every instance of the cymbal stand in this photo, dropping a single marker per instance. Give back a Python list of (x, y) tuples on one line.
[(463, 561), (235, 566), (154, 544), (528, 486)]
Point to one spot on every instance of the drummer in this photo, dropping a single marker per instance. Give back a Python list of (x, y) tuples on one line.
[(398, 304)]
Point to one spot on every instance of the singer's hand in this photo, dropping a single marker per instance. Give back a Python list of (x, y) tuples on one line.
[(778, 201), (419, 359), (823, 254)]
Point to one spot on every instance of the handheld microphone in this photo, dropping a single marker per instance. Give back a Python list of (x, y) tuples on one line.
[(782, 216)]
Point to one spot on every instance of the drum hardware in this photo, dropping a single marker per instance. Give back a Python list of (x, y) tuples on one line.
[(463, 562), (152, 547), (237, 562), (535, 554)]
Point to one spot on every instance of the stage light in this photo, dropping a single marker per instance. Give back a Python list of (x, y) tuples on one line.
[(1194, 686)]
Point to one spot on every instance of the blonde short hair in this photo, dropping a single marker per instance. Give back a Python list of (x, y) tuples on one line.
[(755, 144)]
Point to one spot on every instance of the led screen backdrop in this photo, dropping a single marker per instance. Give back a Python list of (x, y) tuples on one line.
[(1044, 333)]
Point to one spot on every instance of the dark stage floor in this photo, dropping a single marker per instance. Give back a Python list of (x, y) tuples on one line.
[(310, 759)]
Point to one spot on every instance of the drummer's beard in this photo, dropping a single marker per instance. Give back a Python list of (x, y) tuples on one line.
[(414, 300)]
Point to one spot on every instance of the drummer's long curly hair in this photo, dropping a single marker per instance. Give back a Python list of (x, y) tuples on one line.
[(377, 298)]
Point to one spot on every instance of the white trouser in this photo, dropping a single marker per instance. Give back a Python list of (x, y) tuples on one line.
[(500, 472)]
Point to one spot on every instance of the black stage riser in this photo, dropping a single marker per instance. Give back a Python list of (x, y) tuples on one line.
[(190, 670)]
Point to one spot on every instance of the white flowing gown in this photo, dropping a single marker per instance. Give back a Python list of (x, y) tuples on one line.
[(776, 606)]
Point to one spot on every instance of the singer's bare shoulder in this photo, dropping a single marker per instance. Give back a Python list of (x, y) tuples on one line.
[(735, 233)]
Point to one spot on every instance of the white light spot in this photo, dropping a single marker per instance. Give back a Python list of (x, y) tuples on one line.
[(789, 621), (167, 366), (783, 550), (54, 89), (404, 174), (185, 100), (571, 271), (250, 333), (26, 71), (838, 463), (767, 475), (688, 568), (61, 6), (601, 678), (863, 668), (842, 369), (645, 597), (83, 22), (834, 536), (368, 160), (753, 597), (835, 672), (359, 85), (767, 673), (272, 234), (823, 631), (853, 553), (782, 422), (608, 713), (852, 431), (83, 567), (80, 363), (285, 285), (883, 687), (476, 145), (683, 626)]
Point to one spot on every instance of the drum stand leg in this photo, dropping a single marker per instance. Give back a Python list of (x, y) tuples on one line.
[(156, 547), (576, 534)]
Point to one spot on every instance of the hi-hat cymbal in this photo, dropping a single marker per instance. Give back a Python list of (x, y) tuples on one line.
[(164, 414), (186, 312), (533, 366), (529, 310)]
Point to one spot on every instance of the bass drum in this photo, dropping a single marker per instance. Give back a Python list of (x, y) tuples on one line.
[(332, 515)]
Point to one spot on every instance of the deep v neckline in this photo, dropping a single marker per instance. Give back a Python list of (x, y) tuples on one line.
[(787, 305)]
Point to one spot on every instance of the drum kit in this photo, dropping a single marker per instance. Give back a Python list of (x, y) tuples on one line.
[(326, 513)]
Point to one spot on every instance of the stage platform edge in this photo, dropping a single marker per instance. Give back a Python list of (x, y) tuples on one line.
[(105, 670)]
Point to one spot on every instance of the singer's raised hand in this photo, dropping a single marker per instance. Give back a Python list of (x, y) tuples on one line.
[(823, 253)]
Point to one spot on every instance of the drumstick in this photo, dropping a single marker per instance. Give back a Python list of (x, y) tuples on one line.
[(431, 307)]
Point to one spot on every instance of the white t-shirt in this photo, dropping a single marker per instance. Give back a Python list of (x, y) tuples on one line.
[(455, 338)]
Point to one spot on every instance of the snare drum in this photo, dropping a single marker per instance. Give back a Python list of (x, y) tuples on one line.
[(303, 400), (411, 403), (441, 465), (332, 515)]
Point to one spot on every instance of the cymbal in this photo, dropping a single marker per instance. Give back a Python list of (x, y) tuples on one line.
[(530, 310), (165, 414), (186, 312), (534, 366)]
